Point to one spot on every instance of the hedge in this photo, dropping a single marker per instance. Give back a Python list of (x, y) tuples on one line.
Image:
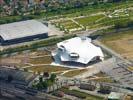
[(43, 43)]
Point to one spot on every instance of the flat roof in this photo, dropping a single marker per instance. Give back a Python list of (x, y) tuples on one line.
[(22, 29), (81, 46)]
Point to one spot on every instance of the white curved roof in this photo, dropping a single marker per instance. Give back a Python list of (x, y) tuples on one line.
[(22, 29), (83, 47)]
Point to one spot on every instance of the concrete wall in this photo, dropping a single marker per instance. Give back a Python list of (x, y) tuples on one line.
[(24, 39)]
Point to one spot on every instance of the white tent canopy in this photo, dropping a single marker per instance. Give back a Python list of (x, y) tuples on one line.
[(79, 50)]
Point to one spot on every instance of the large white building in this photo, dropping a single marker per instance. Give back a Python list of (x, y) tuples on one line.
[(22, 31), (79, 50)]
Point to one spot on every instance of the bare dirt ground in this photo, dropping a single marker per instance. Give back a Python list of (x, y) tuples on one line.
[(33, 61), (23, 58), (122, 45)]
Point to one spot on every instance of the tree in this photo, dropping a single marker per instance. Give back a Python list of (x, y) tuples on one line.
[(15, 12), (116, 0), (7, 1), (39, 86), (40, 79), (45, 84), (1, 9), (20, 6), (46, 74), (52, 78), (25, 69), (95, 2)]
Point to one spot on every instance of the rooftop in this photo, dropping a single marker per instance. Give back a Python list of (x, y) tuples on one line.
[(81, 47), (22, 29)]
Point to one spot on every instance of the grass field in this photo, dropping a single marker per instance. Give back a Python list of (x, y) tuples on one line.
[(88, 21), (74, 72), (79, 94), (103, 79), (100, 74), (41, 60), (68, 25), (47, 68), (95, 19), (130, 68), (121, 42), (39, 53), (23, 59)]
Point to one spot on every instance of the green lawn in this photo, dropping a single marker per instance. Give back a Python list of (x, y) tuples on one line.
[(71, 25), (68, 24), (86, 21), (98, 21), (82, 95)]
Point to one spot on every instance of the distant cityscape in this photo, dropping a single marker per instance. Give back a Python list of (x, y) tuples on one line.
[(66, 49)]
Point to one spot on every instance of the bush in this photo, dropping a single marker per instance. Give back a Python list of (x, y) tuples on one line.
[(123, 24), (3, 21)]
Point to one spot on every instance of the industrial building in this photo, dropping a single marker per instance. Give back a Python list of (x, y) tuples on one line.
[(79, 50), (18, 77), (23, 31)]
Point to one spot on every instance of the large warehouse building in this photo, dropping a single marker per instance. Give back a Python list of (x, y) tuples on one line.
[(79, 50), (23, 31)]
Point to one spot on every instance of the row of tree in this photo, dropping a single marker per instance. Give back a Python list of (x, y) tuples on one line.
[(123, 24)]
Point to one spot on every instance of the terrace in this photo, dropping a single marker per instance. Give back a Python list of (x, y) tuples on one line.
[(95, 20), (68, 25), (90, 20)]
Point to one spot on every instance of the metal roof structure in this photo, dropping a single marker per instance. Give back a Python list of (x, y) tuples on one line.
[(79, 50), (22, 29), (17, 75)]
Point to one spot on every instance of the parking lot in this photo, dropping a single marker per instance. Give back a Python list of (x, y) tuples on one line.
[(122, 74)]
